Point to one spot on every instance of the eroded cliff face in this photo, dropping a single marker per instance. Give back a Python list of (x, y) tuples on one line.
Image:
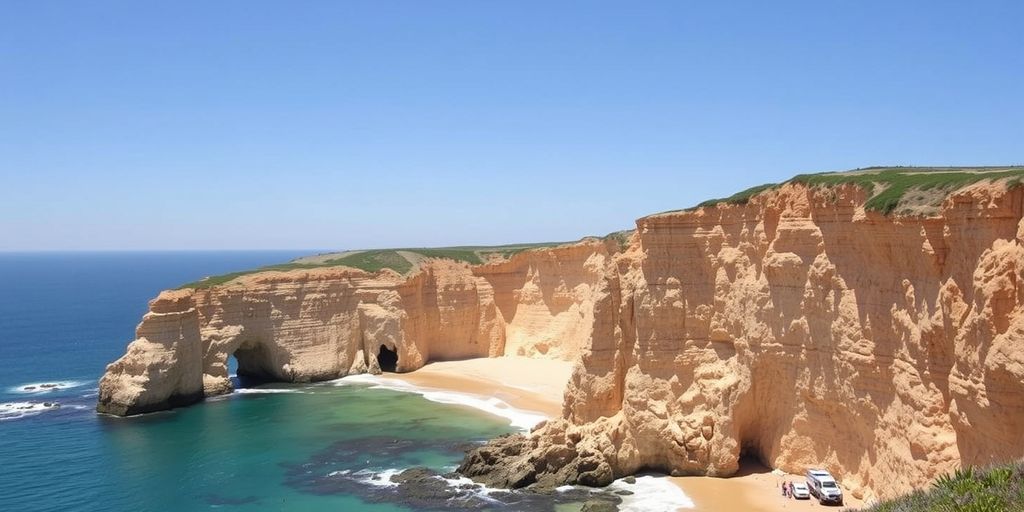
[(321, 324), (797, 328), (801, 330)]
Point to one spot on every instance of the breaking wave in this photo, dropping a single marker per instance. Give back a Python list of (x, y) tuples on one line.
[(518, 418), (46, 387), (651, 494), (265, 391), (17, 410)]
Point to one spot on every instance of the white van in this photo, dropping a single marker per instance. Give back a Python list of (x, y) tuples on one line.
[(824, 487)]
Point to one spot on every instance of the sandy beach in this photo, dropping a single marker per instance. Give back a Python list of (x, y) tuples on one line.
[(537, 385), (754, 489), (534, 385)]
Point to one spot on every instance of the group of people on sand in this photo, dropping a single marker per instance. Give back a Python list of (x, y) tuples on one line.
[(787, 489)]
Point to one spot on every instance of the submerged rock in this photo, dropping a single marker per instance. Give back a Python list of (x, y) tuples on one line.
[(599, 506), (339, 469)]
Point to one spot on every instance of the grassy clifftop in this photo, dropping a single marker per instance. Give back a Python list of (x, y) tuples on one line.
[(994, 489), (399, 260), (892, 189)]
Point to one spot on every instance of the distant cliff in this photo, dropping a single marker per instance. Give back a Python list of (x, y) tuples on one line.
[(807, 323), (324, 323)]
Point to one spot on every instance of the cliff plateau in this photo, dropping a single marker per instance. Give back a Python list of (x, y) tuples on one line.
[(798, 327)]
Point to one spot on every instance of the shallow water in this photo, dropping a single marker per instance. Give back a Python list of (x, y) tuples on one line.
[(321, 447)]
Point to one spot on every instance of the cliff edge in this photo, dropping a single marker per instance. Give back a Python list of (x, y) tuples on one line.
[(805, 324), (323, 323)]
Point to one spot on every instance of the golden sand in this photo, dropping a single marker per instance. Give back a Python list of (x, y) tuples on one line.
[(537, 385)]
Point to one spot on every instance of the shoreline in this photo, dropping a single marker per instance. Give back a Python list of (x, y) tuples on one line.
[(530, 385), (535, 387)]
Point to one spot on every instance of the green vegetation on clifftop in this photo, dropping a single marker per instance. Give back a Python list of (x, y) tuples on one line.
[(399, 260), (890, 187), (995, 489), (741, 197)]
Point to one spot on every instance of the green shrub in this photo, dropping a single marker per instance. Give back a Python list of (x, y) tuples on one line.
[(888, 186), (993, 489)]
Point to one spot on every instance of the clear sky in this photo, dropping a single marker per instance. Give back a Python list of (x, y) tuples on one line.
[(341, 124)]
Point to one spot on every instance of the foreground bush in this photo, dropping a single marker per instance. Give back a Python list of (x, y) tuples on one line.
[(995, 489)]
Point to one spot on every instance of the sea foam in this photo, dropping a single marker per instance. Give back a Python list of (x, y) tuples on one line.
[(46, 387), (262, 391), (16, 410), (518, 418), (651, 494)]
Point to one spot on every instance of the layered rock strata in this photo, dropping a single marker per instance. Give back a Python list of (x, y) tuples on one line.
[(802, 330), (326, 323), (797, 328)]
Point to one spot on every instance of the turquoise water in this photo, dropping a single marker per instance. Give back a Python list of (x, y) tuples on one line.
[(311, 448)]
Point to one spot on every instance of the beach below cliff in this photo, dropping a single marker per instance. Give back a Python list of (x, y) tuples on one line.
[(527, 384), (536, 386), (755, 488)]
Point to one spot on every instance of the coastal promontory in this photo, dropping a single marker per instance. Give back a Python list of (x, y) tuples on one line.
[(869, 322)]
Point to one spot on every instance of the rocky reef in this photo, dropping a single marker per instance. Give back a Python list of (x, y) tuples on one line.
[(796, 326)]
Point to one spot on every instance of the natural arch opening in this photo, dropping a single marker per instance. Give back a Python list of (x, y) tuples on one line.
[(387, 359), (253, 365), (233, 372)]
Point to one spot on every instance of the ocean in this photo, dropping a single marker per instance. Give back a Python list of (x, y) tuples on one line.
[(316, 447)]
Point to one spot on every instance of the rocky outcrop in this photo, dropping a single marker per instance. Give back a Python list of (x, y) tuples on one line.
[(325, 323), (802, 330), (798, 328)]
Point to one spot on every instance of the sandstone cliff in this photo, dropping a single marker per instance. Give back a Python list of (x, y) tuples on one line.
[(319, 324), (799, 328), (805, 331)]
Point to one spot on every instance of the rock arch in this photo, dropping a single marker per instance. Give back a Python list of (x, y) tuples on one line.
[(254, 355), (254, 360)]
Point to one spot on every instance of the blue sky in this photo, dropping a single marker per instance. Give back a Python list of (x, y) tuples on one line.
[(333, 124)]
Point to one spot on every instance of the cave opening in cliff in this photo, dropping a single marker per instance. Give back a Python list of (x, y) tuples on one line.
[(387, 359), (233, 372), (252, 365)]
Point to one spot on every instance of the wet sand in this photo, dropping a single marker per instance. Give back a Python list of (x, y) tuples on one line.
[(537, 385)]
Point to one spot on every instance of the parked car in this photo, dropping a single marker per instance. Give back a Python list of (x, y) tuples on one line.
[(800, 491), (824, 487)]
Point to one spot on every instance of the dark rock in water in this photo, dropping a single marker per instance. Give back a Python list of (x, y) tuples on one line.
[(629, 479), (599, 506), (48, 386), (624, 493), (29, 388), (515, 461), (424, 489), (463, 447), (341, 468)]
